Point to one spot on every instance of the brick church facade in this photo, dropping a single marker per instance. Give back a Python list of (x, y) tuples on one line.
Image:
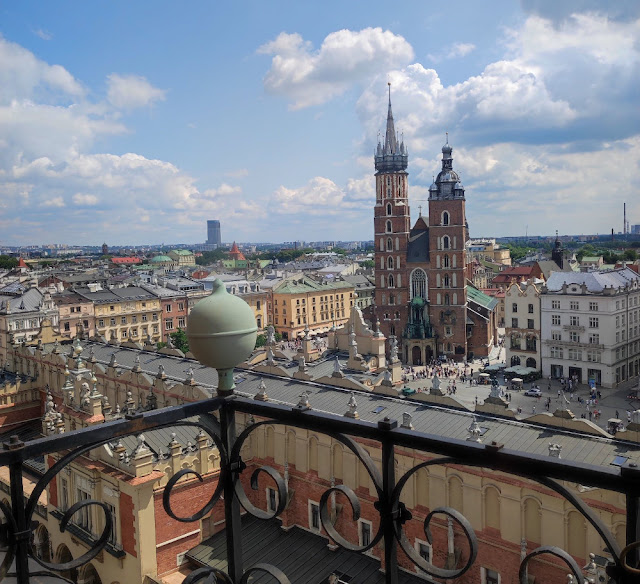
[(422, 294)]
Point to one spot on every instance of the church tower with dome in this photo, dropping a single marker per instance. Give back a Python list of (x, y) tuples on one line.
[(448, 235)]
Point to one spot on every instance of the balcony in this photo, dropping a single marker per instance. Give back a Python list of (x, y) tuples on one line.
[(231, 420), (573, 327), (574, 344)]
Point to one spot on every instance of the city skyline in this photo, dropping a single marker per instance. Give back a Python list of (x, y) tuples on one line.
[(268, 122)]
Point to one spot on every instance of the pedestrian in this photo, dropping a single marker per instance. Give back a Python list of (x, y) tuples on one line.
[(617, 414), (534, 409)]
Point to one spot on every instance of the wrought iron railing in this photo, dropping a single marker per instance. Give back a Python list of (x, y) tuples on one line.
[(217, 417)]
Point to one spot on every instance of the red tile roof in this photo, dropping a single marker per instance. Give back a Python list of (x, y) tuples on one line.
[(126, 261)]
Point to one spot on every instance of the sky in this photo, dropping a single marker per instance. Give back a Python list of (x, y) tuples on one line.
[(135, 122)]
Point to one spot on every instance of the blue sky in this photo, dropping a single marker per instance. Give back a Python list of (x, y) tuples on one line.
[(135, 122)]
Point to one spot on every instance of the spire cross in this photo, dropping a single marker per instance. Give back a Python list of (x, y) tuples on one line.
[(419, 210), (389, 84), (447, 134)]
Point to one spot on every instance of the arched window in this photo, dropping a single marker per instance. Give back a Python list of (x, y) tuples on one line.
[(492, 508), (390, 263), (381, 263), (532, 521), (382, 281), (437, 280), (455, 494), (445, 281), (384, 299), (389, 244), (392, 299), (313, 453), (392, 329), (399, 280), (388, 208), (446, 242), (397, 315), (445, 218), (418, 283), (390, 280), (337, 461), (397, 243), (446, 299), (398, 262), (455, 298), (382, 244), (422, 487), (291, 448), (445, 261), (454, 280), (454, 260), (438, 298), (389, 230)]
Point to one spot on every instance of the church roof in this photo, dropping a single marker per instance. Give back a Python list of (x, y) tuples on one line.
[(161, 258), (235, 253), (480, 298)]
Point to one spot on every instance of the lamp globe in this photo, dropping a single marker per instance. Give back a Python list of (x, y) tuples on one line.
[(222, 332)]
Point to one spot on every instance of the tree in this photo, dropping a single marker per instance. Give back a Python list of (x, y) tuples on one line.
[(368, 264), (180, 340), (261, 340), (7, 262), (630, 255)]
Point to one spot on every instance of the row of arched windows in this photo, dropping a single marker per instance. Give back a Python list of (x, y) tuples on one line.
[(447, 281), (391, 281), (446, 261), (389, 244)]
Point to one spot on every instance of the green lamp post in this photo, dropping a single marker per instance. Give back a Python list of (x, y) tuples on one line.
[(222, 332)]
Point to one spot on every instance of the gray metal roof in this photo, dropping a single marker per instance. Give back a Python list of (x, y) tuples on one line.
[(595, 281), (426, 418), (303, 556)]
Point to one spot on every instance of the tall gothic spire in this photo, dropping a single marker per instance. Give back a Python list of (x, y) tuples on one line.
[(390, 140), (391, 156)]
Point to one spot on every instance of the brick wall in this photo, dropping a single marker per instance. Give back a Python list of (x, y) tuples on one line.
[(127, 524), (53, 485)]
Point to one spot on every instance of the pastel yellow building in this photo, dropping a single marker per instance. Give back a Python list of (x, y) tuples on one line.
[(302, 302)]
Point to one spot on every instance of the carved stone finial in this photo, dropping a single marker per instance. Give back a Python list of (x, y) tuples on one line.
[(474, 431), (555, 450), (161, 373), (262, 393), (352, 412), (406, 421), (304, 400), (112, 361)]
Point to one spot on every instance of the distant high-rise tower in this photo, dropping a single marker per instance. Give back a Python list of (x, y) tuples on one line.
[(105, 249), (213, 233)]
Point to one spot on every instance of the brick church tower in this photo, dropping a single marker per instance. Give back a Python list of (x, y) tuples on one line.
[(391, 231), (448, 234)]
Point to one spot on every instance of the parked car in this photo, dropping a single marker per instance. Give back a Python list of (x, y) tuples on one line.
[(533, 392)]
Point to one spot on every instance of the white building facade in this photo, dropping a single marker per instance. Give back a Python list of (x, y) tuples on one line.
[(590, 326), (522, 325)]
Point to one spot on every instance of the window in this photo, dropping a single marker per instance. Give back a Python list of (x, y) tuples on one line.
[(123, 320), (272, 499), (445, 242), (574, 337), (594, 339), (101, 322), (424, 549), (514, 323), (388, 208), (144, 318), (314, 516), (556, 336), (112, 321), (514, 307), (574, 320), (168, 324), (389, 227), (83, 515), (181, 305), (593, 306), (593, 356), (489, 576), (574, 305), (113, 533), (182, 322), (445, 218), (555, 319), (67, 326), (112, 308), (575, 354), (555, 304), (530, 323), (168, 307), (593, 322), (556, 353), (134, 319), (364, 532), (530, 308)]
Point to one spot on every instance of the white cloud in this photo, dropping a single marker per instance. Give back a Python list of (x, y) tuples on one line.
[(309, 77), (132, 91), (22, 74), (43, 34), (55, 202), (455, 51), (84, 199)]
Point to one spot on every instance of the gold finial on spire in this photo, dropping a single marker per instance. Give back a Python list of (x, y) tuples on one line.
[(447, 134)]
